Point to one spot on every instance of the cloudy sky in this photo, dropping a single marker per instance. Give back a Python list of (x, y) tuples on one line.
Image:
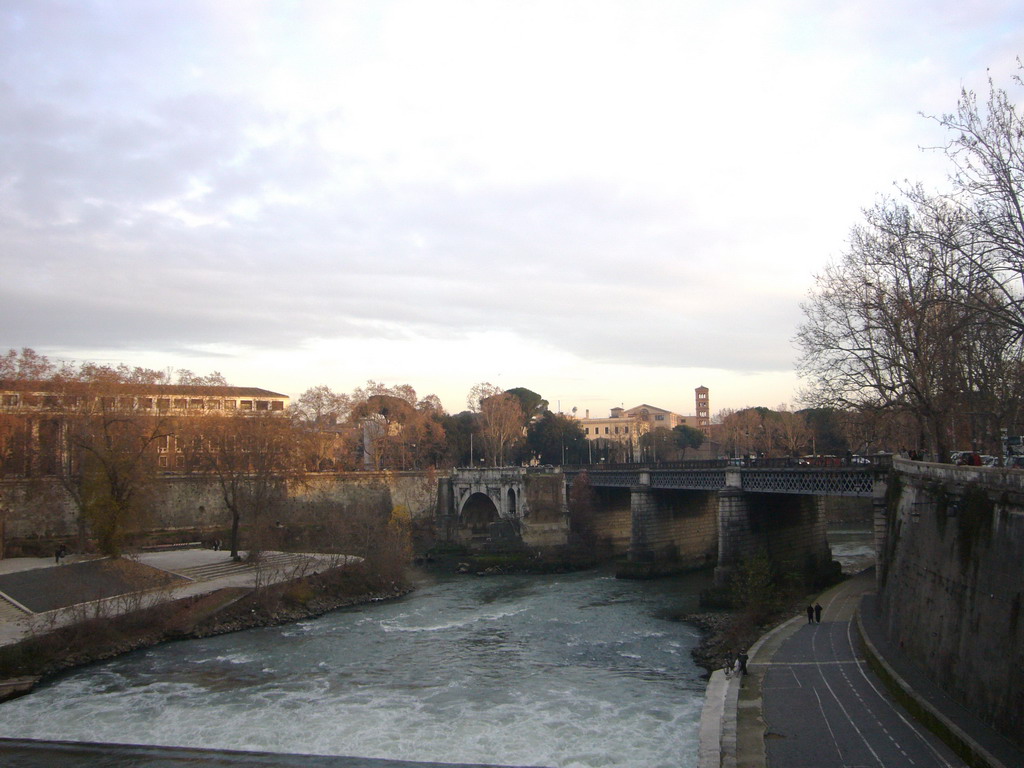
[(605, 202)]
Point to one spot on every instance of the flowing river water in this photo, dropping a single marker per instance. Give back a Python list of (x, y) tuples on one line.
[(572, 670), (568, 671)]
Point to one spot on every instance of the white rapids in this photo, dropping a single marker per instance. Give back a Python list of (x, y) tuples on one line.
[(576, 671)]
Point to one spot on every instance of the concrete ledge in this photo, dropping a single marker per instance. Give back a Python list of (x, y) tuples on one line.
[(709, 751), (718, 722), (17, 686), (936, 721)]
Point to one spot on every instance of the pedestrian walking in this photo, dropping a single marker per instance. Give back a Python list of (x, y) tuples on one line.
[(810, 614), (742, 661), (817, 612)]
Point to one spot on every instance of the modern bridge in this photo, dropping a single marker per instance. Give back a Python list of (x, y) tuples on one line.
[(754, 476), (671, 516)]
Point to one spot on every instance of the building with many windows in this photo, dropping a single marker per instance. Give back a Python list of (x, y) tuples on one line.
[(626, 426), (34, 415)]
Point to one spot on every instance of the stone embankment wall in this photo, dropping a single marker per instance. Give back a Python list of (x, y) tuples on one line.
[(951, 577), (36, 514)]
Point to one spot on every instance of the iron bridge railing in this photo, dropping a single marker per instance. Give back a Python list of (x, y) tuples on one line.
[(821, 481)]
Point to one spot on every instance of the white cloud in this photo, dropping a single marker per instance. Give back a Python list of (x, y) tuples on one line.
[(615, 196)]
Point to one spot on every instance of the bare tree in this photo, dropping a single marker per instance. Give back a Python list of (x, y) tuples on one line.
[(987, 154), (886, 324), (253, 457), (327, 442), (500, 418), (109, 463), (794, 434)]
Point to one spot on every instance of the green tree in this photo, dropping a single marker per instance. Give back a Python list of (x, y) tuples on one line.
[(687, 437), (556, 439), (460, 447), (533, 405)]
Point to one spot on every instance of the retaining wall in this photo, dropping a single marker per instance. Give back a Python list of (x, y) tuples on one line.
[(36, 514), (951, 582)]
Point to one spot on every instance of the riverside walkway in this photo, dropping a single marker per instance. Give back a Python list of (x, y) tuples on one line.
[(812, 700), (38, 594)]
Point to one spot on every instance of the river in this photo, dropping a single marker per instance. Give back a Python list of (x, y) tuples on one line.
[(570, 671)]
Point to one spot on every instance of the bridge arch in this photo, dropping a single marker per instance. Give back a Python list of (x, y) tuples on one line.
[(478, 513)]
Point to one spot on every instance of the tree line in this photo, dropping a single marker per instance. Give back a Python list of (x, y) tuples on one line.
[(918, 326), (87, 428)]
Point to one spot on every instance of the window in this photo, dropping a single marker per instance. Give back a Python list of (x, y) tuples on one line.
[(163, 403), (659, 417), (213, 405), (180, 402), (606, 430), (586, 430), (245, 405), (10, 399), (146, 403), (195, 403), (616, 430), (627, 430), (277, 405), (230, 405), (161, 461), (262, 405)]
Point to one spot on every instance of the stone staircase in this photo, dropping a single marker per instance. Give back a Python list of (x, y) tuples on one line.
[(275, 562), (9, 611)]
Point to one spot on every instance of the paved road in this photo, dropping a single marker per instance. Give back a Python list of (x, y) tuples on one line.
[(824, 708)]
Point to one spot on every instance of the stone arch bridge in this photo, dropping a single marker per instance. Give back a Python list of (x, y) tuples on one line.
[(665, 517)]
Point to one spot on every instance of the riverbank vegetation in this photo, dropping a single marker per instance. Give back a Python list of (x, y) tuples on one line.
[(759, 596)]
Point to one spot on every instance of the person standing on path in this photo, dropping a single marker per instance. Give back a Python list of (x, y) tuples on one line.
[(817, 612), (810, 614)]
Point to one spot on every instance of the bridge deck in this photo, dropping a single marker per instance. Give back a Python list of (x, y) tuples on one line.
[(766, 477)]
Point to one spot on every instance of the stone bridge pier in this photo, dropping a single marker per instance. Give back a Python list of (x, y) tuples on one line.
[(671, 530), (504, 507), (790, 529)]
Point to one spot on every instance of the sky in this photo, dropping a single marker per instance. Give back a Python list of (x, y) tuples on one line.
[(608, 203)]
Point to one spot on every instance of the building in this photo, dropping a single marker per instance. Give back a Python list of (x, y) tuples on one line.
[(34, 415), (41, 398), (625, 427)]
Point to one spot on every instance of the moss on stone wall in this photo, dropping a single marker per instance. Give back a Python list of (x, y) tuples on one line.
[(974, 522), (941, 509), (893, 496)]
